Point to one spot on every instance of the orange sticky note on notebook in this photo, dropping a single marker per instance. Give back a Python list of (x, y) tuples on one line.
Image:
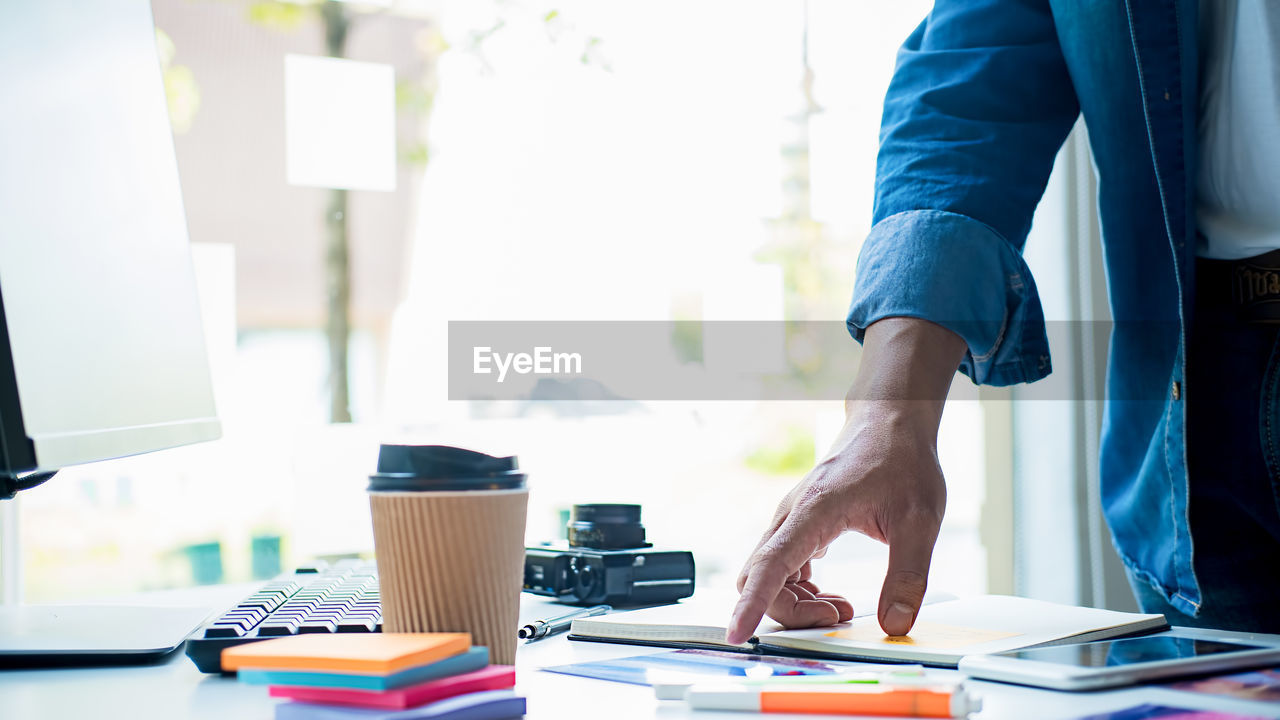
[(372, 653)]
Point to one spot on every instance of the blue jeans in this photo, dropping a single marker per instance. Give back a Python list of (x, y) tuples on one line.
[(1233, 455)]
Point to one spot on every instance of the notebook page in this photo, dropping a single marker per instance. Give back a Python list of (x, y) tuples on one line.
[(968, 626)]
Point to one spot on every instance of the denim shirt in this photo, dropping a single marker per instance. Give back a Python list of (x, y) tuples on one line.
[(984, 94)]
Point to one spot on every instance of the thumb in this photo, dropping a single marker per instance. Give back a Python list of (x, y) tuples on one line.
[(910, 551)]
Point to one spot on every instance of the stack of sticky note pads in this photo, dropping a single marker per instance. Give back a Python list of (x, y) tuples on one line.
[(379, 676)]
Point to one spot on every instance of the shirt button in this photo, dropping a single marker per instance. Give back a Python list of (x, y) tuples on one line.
[(1177, 390)]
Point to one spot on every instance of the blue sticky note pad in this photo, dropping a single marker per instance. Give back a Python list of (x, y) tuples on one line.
[(487, 705), (473, 659)]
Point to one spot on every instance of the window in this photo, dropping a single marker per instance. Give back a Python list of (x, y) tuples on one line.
[(556, 161)]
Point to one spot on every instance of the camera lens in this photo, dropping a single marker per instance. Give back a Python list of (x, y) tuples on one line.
[(606, 526)]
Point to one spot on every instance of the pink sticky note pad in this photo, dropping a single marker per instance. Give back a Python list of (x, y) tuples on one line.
[(494, 677)]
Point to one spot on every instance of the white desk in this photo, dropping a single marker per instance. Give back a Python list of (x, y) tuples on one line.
[(174, 689)]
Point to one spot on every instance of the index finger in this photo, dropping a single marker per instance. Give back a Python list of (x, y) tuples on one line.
[(767, 571), (780, 516)]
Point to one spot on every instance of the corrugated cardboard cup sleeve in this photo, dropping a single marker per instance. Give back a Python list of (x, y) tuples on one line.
[(452, 562)]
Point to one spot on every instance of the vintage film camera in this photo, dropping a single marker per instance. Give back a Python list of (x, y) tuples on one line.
[(607, 561)]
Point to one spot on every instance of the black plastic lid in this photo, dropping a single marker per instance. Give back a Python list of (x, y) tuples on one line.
[(440, 467)]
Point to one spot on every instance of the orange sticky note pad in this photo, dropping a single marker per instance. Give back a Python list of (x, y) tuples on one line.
[(372, 653)]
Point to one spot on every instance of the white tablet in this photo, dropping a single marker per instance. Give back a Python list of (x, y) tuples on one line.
[(1126, 661)]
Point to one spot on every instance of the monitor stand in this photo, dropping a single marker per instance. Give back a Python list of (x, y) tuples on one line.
[(34, 636)]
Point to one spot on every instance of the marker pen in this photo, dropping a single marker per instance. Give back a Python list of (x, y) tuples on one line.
[(852, 699), (672, 686)]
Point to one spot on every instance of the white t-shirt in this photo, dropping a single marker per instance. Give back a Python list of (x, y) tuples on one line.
[(1238, 181)]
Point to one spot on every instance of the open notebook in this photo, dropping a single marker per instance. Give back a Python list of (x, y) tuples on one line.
[(944, 632)]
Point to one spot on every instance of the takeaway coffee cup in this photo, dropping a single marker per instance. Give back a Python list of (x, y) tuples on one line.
[(448, 530)]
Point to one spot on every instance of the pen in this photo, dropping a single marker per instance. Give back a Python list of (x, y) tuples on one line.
[(837, 700), (541, 628)]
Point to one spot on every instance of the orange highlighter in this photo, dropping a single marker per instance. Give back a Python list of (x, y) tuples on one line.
[(887, 700)]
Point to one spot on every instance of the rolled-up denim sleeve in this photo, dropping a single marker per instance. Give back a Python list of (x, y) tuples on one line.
[(979, 104), (956, 272)]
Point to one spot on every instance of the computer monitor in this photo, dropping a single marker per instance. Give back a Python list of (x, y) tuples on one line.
[(102, 353)]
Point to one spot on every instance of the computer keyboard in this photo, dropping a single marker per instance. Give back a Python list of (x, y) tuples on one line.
[(339, 598)]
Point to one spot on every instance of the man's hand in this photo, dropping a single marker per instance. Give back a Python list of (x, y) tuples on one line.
[(881, 478)]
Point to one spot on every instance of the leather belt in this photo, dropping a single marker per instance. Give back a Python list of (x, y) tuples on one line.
[(1250, 286)]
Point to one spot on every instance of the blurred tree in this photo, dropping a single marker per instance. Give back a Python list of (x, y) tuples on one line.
[(417, 94), (337, 249), (814, 283)]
